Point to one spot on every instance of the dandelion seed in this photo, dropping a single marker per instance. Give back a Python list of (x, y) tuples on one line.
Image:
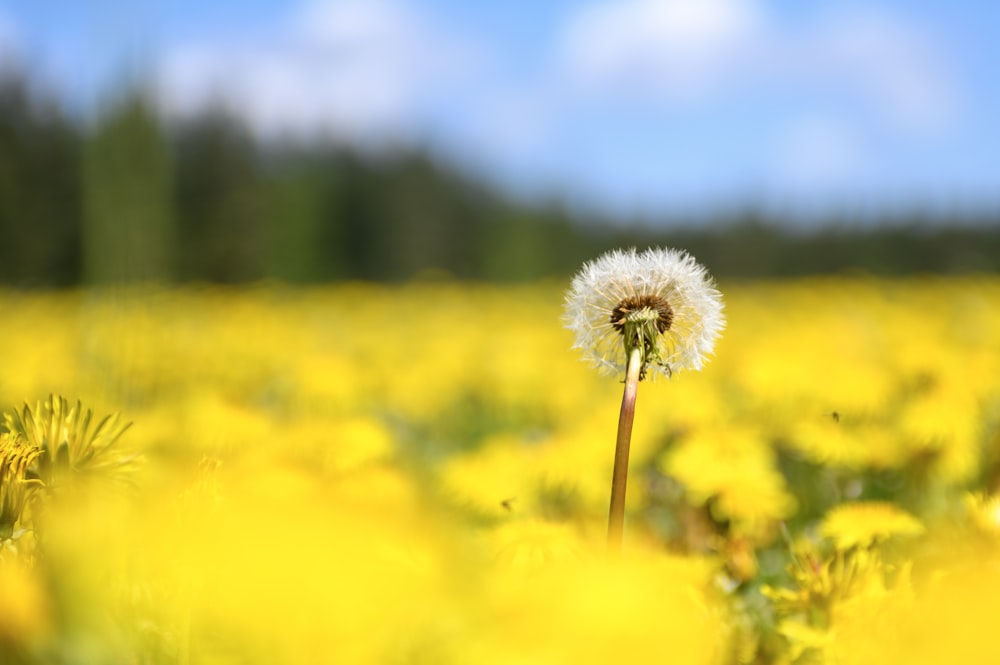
[(661, 300), (630, 311)]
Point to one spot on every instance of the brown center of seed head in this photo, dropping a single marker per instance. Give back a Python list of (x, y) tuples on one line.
[(664, 313)]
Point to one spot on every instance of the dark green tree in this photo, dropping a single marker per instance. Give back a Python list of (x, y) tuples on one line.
[(39, 189), (219, 200), (127, 201)]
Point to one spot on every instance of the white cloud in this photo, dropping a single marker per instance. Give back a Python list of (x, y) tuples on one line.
[(380, 70), (353, 67), (892, 62), (673, 46), (710, 50), (357, 25), (376, 68)]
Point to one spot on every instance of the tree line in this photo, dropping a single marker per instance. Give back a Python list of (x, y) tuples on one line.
[(130, 197)]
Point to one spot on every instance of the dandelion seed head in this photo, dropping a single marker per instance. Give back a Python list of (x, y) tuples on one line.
[(663, 292), (650, 307)]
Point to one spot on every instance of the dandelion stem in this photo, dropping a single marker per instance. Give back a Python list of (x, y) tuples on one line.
[(616, 514)]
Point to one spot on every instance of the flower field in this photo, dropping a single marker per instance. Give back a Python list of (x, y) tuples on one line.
[(420, 474)]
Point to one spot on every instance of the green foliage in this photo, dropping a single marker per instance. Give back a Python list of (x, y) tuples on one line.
[(40, 201), (127, 198), (219, 201), (134, 198)]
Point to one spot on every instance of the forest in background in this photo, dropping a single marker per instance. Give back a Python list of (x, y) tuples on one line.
[(131, 197)]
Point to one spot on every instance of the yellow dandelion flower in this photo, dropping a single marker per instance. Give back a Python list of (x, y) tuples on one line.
[(353, 444), (944, 420), (947, 614), (600, 609), (69, 447), (16, 480), (734, 468), (25, 614), (532, 543), (984, 512), (865, 523), (495, 480), (803, 638)]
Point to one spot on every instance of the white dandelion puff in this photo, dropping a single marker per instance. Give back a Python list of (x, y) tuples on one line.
[(630, 312), (661, 299)]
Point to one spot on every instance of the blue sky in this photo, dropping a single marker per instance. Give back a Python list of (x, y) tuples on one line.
[(634, 107)]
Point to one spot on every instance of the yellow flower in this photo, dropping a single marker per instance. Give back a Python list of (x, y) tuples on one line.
[(67, 444), (534, 543), (16, 481), (803, 638), (596, 609), (865, 523), (734, 468), (495, 480), (984, 511), (947, 614), (24, 607)]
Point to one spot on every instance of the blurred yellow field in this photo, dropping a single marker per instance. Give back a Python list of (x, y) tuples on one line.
[(420, 474)]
